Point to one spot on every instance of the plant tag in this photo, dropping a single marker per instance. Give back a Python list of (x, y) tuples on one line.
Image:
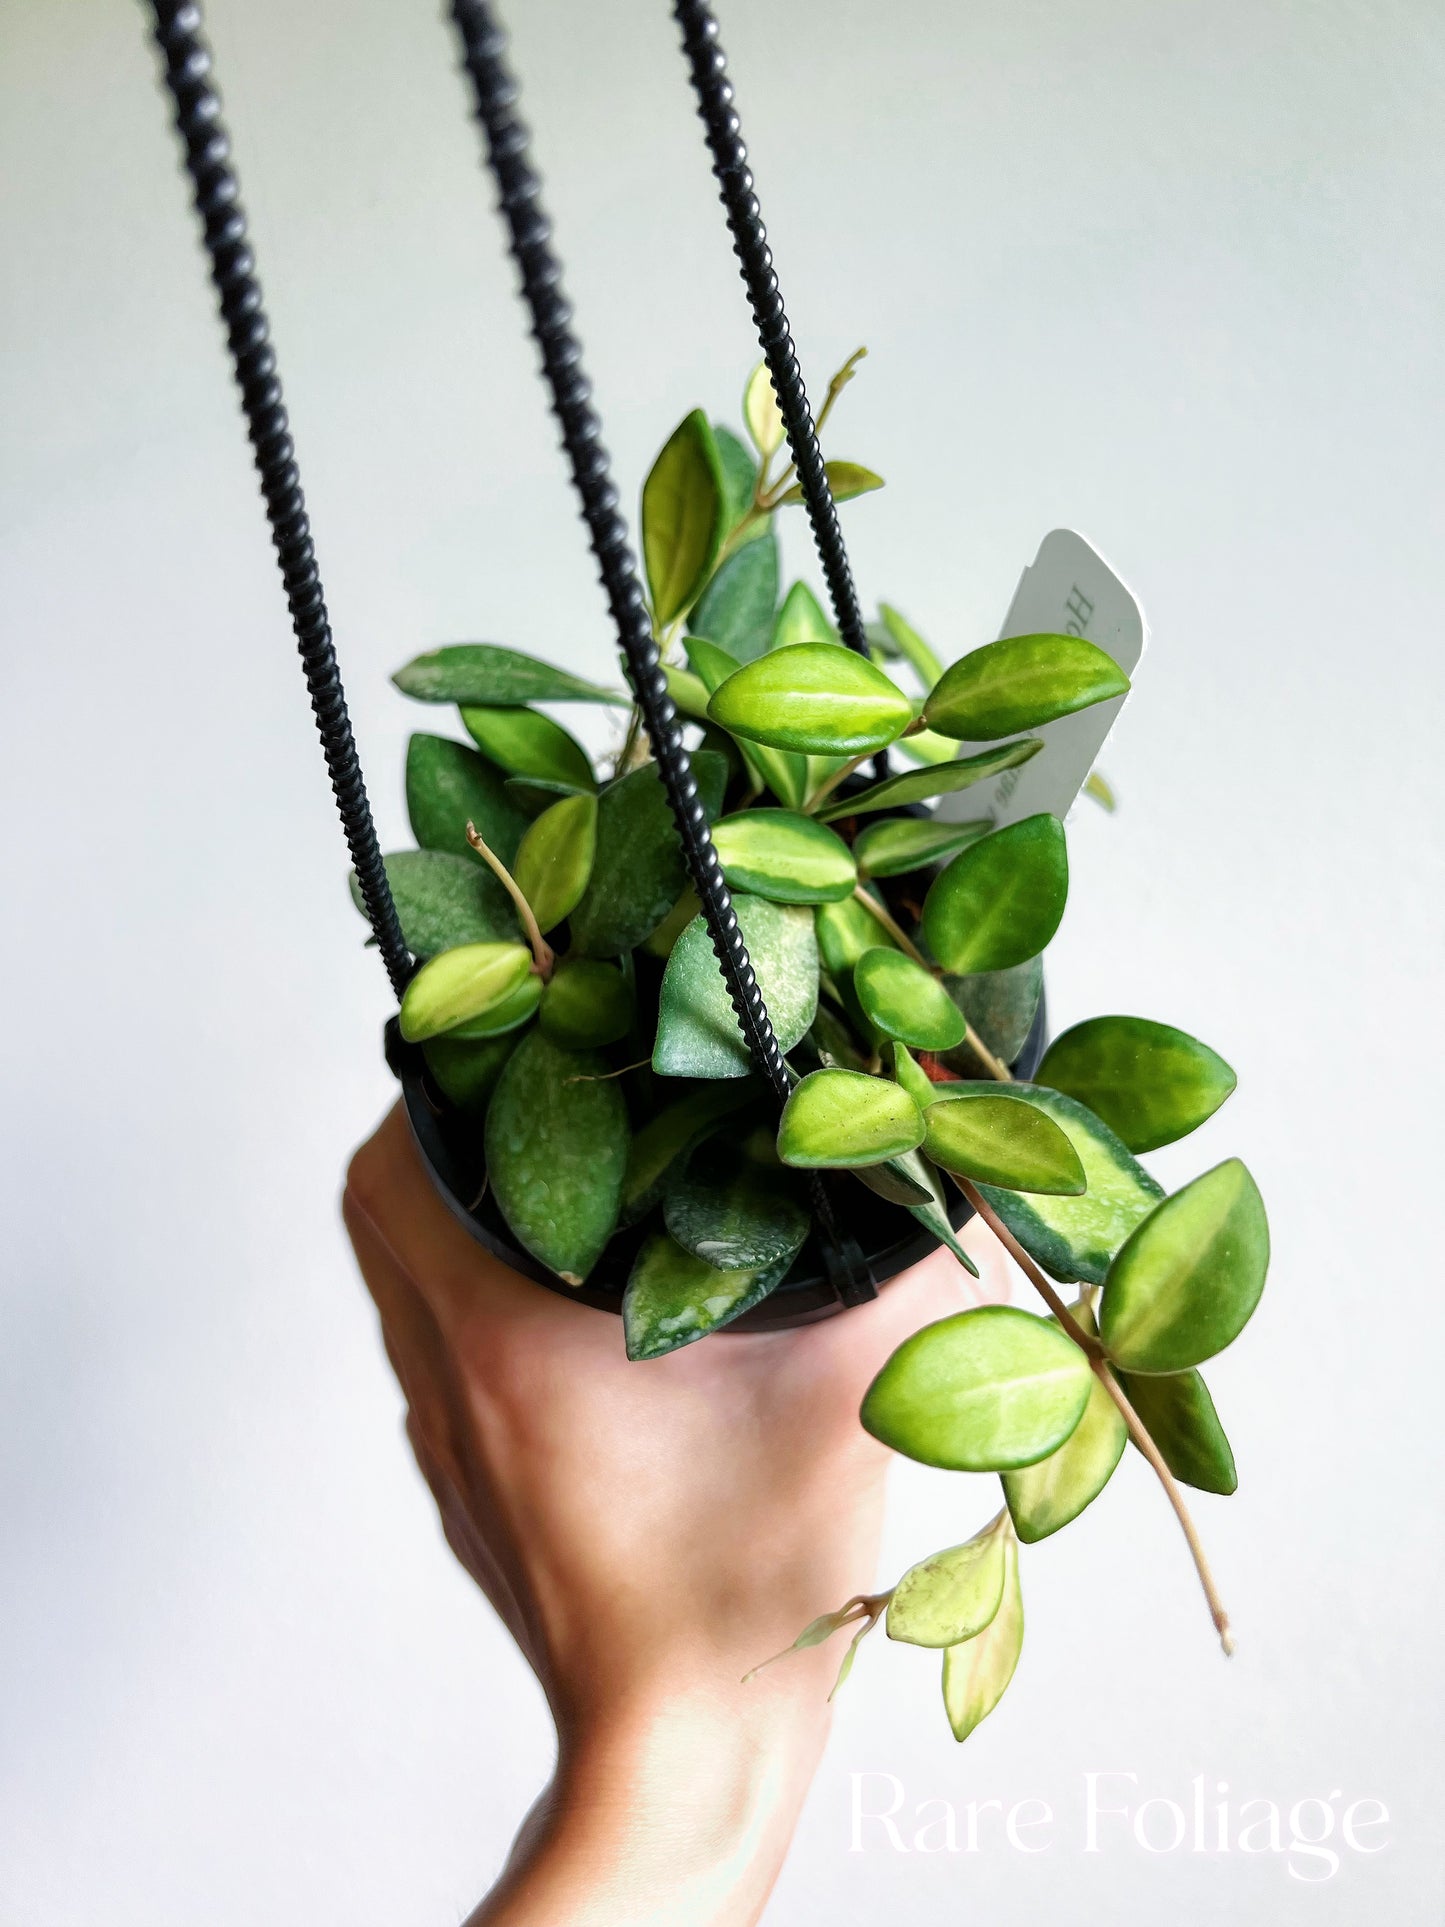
[(1068, 589)]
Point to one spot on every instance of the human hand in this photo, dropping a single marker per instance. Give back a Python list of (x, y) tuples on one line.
[(648, 1533)]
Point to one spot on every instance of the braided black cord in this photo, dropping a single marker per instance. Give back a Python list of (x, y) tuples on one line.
[(218, 202), (708, 66), (529, 234)]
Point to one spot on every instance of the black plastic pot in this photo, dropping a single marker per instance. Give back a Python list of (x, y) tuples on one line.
[(888, 1238)]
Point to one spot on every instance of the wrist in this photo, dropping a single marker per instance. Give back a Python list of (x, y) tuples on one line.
[(696, 1750), (676, 1807)]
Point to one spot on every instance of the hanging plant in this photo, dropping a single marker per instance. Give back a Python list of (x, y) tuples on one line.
[(709, 1092), (580, 1039)]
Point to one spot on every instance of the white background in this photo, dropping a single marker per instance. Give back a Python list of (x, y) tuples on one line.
[(1167, 272)]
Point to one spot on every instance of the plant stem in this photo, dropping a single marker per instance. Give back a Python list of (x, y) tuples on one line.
[(861, 1606), (1027, 1266), (995, 1066), (874, 1606), (836, 386), (543, 955), (1098, 1359), (876, 908), (1138, 1431), (826, 788), (601, 1077), (629, 742)]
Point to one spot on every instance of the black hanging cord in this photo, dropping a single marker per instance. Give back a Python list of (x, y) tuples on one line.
[(708, 66), (218, 201), (529, 235)]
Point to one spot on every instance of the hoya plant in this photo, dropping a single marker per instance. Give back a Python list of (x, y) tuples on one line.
[(576, 1027)]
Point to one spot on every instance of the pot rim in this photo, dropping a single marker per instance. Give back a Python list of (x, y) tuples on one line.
[(458, 1173)]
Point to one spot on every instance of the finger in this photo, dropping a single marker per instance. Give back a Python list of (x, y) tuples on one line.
[(441, 1429), (388, 1187), (457, 1525), (414, 1344), (469, 1543)]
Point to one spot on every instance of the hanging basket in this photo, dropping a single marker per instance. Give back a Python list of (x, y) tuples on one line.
[(887, 1239), (843, 1262)]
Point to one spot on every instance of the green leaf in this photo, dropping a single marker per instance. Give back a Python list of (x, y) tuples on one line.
[(820, 768), (999, 1137), (761, 412), (814, 698), (1000, 901), (905, 1001), (639, 871), (697, 1029), (817, 1633), (785, 856), (684, 517), (786, 776), (840, 1119), (1097, 787), (922, 746), (1187, 1279), (934, 1218), (976, 1672), (898, 844), (689, 693), (556, 1149), (660, 943), (448, 786), (671, 1135), (524, 742), (533, 794), (845, 479), (848, 1658), (801, 619), (1149, 1082), (736, 607), (673, 1297), (736, 1210), (900, 1180), (940, 779), (833, 1041), (1020, 683), (954, 1594), (1179, 1415), (587, 1004), (906, 642), (1001, 1005), (983, 1391), (739, 473), (508, 1015), (485, 673), (916, 1081), (911, 1181), (466, 1069), (1043, 1497), (845, 931), (1074, 1239), (461, 984), (444, 900), (554, 859)]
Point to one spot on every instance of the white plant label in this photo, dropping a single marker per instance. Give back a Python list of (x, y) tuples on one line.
[(1067, 590)]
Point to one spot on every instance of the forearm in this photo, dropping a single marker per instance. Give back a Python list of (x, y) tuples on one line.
[(673, 1815)]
